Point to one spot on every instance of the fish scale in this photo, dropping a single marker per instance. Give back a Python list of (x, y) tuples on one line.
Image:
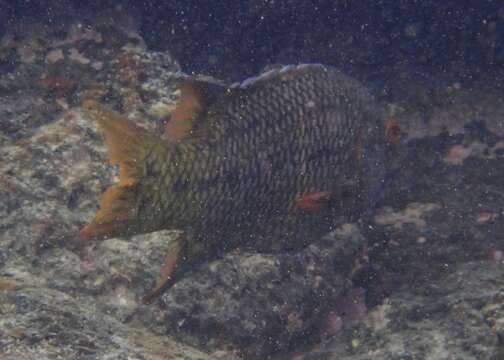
[(256, 161)]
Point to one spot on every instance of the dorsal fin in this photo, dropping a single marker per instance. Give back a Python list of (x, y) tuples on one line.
[(277, 71), (197, 93)]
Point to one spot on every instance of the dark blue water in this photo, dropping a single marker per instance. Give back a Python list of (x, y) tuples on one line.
[(238, 38)]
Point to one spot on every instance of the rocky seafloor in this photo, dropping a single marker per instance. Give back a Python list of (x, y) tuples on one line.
[(418, 278)]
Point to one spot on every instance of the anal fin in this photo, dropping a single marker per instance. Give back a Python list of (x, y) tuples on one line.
[(171, 264)]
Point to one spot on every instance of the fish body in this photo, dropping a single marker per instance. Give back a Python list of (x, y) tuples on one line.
[(268, 163)]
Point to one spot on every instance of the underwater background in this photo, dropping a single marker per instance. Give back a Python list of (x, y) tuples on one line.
[(420, 276)]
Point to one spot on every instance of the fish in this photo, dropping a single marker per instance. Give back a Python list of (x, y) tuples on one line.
[(268, 164)]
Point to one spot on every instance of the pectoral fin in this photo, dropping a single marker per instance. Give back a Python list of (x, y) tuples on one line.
[(313, 202)]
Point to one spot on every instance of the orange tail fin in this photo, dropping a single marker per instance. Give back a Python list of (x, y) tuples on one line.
[(127, 145)]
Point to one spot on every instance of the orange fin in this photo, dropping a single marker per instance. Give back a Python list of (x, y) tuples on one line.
[(172, 262), (196, 95), (125, 140), (185, 114), (314, 202), (115, 217), (127, 146)]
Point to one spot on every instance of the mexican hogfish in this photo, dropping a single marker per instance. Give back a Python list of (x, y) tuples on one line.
[(268, 163)]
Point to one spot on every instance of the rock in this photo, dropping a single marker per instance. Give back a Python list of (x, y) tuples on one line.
[(92, 58), (457, 317), (41, 323), (264, 303)]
